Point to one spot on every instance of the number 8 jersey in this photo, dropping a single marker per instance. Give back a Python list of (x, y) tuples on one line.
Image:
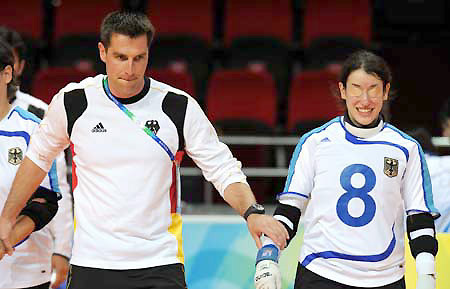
[(356, 185)]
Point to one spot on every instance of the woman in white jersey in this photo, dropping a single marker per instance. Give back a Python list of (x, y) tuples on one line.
[(30, 266), (352, 180)]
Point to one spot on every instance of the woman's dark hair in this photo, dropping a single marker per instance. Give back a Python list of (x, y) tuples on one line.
[(14, 39), (370, 63), (7, 58)]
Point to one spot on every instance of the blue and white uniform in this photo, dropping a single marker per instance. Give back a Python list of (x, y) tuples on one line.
[(30, 264), (353, 186)]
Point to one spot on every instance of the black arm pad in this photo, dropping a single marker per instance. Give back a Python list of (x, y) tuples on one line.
[(423, 243), (292, 214), (419, 221), (42, 213)]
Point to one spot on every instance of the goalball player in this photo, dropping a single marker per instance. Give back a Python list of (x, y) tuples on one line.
[(352, 180)]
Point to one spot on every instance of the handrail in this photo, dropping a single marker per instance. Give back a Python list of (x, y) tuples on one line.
[(293, 140), (279, 170)]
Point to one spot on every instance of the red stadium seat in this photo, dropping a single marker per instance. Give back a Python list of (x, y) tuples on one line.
[(26, 17), (242, 95), (180, 79), (184, 34), (81, 17), (176, 18), (258, 18), (244, 102), (331, 18), (332, 30), (49, 81), (312, 100)]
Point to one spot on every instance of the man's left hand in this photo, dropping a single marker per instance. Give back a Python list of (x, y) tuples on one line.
[(60, 265), (263, 224)]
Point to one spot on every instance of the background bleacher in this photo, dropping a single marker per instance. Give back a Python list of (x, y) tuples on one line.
[(266, 67)]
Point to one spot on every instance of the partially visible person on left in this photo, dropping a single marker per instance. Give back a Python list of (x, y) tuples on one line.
[(32, 263), (60, 230)]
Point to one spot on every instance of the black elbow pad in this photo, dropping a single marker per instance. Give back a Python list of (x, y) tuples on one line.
[(291, 215), (421, 243), (42, 212)]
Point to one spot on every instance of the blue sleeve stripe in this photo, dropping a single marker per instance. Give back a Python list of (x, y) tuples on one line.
[(25, 114), (369, 258), (23, 134), (53, 177), (298, 149), (292, 193), (426, 179)]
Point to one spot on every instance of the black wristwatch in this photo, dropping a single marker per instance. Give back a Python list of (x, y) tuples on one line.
[(254, 209)]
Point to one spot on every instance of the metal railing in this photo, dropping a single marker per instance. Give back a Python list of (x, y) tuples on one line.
[(280, 169)]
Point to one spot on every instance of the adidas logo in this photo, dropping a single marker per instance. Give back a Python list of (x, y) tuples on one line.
[(99, 128), (325, 140)]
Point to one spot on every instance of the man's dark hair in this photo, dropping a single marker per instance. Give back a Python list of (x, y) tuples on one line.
[(131, 24), (7, 58), (14, 39)]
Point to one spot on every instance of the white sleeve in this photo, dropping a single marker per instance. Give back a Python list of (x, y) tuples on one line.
[(61, 226), (50, 138), (300, 179), (213, 157), (416, 187)]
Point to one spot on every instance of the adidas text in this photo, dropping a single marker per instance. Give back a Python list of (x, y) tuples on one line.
[(99, 128)]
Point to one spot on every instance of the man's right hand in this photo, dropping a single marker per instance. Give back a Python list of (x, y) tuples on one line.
[(267, 275), (5, 232)]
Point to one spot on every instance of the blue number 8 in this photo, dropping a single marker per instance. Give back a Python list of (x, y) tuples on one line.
[(352, 192)]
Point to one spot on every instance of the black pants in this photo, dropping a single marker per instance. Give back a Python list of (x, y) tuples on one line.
[(306, 279), (160, 277), (42, 286)]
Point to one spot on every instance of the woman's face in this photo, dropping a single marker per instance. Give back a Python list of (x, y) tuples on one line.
[(5, 78), (364, 96)]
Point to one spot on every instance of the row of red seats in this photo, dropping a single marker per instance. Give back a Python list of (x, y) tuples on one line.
[(236, 99), (197, 18)]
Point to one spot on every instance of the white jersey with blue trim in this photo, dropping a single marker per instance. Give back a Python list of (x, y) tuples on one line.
[(61, 226), (30, 103), (30, 263), (357, 190)]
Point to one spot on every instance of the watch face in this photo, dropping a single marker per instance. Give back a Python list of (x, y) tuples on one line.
[(258, 207)]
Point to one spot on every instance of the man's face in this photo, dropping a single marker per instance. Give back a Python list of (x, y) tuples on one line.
[(126, 61)]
